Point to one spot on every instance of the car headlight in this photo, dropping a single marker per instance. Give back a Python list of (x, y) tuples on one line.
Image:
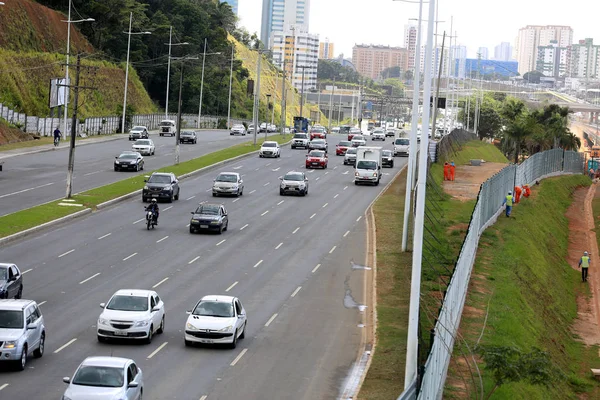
[(226, 329), (116, 162), (356, 174), (374, 173), (214, 222), (10, 345), (190, 327), (142, 323), (146, 187), (301, 185), (102, 321)]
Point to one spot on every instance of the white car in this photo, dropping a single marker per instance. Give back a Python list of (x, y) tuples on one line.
[(335, 129), (105, 378), (228, 183), (390, 132), (269, 149), (359, 140), (144, 147), (216, 319), (132, 314), (401, 146), (294, 182), (238, 129), (378, 134)]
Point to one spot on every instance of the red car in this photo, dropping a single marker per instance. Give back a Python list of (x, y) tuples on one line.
[(316, 159), (341, 147), (317, 134)]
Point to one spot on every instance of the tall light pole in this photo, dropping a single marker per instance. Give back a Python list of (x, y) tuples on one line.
[(178, 125), (66, 88), (302, 90), (283, 106), (268, 106), (230, 85), (331, 104), (129, 33), (169, 68), (319, 100), (202, 80), (257, 94), (339, 110)]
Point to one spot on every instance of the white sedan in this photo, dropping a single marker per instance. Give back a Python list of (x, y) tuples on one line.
[(216, 319), (132, 314), (269, 149), (144, 147), (378, 134), (359, 140)]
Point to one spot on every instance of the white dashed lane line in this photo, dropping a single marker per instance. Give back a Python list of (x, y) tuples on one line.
[(194, 260), (221, 242), (325, 205), (346, 234), (335, 197), (345, 187), (42, 303), (239, 357), (157, 350), (160, 283), (160, 240), (265, 213), (359, 218), (204, 397), (235, 200), (243, 227), (316, 268), (64, 346), (281, 202), (29, 270), (279, 245), (3, 386), (271, 319), (332, 249), (318, 177), (129, 256), (232, 286), (90, 278), (253, 191), (296, 230), (139, 220), (67, 252), (257, 264), (296, 291), (312, 216), (168, 208), (268, 183), (189, 198)]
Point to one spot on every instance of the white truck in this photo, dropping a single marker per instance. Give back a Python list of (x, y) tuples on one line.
[(167, 127), (368, 165)]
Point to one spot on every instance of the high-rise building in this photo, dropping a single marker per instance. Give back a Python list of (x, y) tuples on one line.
[(584, 59), (484, 52), (503, 52), (410, 43), (371, 60), (436, 55), (326, 50), (533, 36), (233, 4), (282, 15), (300, 50), (552, 60), (459, 55)]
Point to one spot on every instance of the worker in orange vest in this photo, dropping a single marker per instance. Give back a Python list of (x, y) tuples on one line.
[(518, 191), (527, 190), (452, 170), (446, 171)]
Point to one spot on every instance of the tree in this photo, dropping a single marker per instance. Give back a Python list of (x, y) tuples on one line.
[(518, 130), (532, 76), (490, 122), (408, 75), (391, 72)]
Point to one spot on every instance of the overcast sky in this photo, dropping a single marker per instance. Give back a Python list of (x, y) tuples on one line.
[(483, 23)]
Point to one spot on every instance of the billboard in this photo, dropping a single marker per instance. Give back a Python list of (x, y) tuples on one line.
[(58, 92)]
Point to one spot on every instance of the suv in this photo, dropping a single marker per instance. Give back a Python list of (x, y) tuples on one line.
[(22, 331), (138, 132), (11, 282), (300, 140), (161, 185)]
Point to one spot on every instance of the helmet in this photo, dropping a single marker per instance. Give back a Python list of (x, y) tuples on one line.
[(509, 192), (585, 253), (154, 200)]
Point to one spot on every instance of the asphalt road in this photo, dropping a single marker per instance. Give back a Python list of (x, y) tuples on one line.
[(287, 258), (32, 179)]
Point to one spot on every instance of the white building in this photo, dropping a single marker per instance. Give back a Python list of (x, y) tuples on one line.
[(459, 54), (584, 60), (435, 60), (484, 52), (300, 50), (281, 15), (533, 36), (410, 43), (503, 52), (552, 60)]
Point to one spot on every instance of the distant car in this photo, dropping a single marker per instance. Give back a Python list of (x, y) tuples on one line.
[(228, 183), (22, 331), (161, 186), (354, 132), (335, 129), (216, 319), (316, 159), (317, 134), (105, 378), (250, 129), (342, 147), (131, 314), (138, 132), (401, 146), (294, 182), (318, 144), (387, 158), (129, 161), (263, 127), (358, 140), (238, 129), (390, 132), (11, 282), (269, 149), (378, 134), (300, 140), (209, 216), (350, 156), (271, 128), (144, 147), (188, 137)]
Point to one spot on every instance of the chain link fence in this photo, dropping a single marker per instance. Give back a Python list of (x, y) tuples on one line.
[(487, 209), (451, 143)]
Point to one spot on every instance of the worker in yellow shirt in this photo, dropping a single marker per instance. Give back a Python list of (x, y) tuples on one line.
[(508, 200), (584, 264)]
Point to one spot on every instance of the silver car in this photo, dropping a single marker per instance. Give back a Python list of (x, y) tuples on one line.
[(228, 183), (105, 378), (238, 129), (22, 331), (318, 144), (350, 156), (359, 140)]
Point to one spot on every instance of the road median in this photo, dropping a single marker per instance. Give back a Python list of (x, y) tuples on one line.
[(16, 225)]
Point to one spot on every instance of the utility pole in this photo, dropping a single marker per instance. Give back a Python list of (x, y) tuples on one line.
[(339, 111), (476, 115), (302, 91), (282, 127), (177, 136), (202, 84), (437, 94), (331, 103), (230, 83), (319, 101), (268, 106), (256, 96)]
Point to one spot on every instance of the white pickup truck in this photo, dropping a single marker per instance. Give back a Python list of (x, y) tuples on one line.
[(368, 165)]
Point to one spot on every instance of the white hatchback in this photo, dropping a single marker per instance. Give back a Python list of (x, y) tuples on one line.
[(269, 149), (144, 147), (378, 134), (132, 314)]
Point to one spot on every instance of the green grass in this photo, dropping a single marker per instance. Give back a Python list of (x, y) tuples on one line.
[(521, 272), (21, 220), (476, 150)]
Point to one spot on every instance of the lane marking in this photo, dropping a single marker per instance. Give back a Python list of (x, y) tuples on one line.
[(268, 183), (276, 169), (266, 212), (157, 350), (326, 172), (296, 230), (235, 200), (257, 169), (208, 190), (26, 190), (194, 260), (312, 216), (281, 202), (42, 303), (238, 167), (279, 245), (3, 386), (129, 256), (346, 234), (189, 198), (296, 291), (345, 173), (92, 173), (266, 165), (238, 358), (204, 397), (139, 220), (160, 283), (243, 227), (90, 278), (345, 187), (103, 236), (68, 252), (335, 197), (64, 346), (252, 191), (325, 205), (160, 240), (358, 219), (271, 319), (257, 264), (187, 225), (29, 270), (335, 167), (232, 286), (168, 208), (332, 249), (221, 242), (318, 177), (316, 268)]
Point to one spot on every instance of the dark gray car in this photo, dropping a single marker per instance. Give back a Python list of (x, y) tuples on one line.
[(11, 282), (318, 144), (188, 137), (161, 186), (211, 217), (129, 161)]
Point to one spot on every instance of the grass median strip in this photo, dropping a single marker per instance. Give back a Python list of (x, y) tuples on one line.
[(35, 216)]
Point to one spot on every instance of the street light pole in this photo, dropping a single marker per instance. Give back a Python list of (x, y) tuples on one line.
[(256, 94), (331, 104), (66, 89), (202, 84), (169, 69), (268, 106), (302, 91), (178, 135), (339, 110), (283, 111), (230, 85)]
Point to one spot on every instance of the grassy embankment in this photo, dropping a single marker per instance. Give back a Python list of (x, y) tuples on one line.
[(385, 378), (31, 217), (521, 272)]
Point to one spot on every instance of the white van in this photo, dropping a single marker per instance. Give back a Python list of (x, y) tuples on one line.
[(167, 127), (401, 146), (368, 165)]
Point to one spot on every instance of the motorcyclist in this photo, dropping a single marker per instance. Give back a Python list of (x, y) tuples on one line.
[(154, 208), (56, 136)]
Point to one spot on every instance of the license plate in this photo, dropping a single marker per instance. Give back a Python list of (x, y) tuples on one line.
[(120, 333), (315, 163), (154, 195), (204, 226), (206, 341)]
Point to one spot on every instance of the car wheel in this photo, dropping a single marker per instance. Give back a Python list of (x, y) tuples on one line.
[(142, 168), (281, 192), (144, 200), (226, 226), (116, 169), (192, 230), (214, 194), (221, 230), (233, 344), (392, 165), (242, 192), (161, 328), (137, 167), (39, 352), (150, 334), (356, 183), (153, 151), (23, 359), (171, 198), (187, 343), (177, 196), (243, 335), (19, 293)]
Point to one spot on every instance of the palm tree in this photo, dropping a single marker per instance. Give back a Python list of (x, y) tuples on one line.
[(522, 127)]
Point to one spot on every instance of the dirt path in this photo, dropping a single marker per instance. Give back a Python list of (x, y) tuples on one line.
[(468, 179), (582, 237)]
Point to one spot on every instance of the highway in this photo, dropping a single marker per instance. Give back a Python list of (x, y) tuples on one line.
[(287, 258), (32, 179)]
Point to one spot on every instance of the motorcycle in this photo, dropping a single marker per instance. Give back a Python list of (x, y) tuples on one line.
[(150, 219)]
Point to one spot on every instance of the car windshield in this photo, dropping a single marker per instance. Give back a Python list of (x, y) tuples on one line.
[(358, 137), (317, 154), (128, 303), (352, 151), (386, 153), (208, 210), (142, 142), (128, 156), (167, 123), (137, 129), (226, 178), (300, 136), (92, 375), (187, 133), (269, 144), (344, 143), (159, 179), (211, 308), (318, 141), (402, 141), (366, 165), (11, 319), (293, 177), (238, 126), (378, 131)]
